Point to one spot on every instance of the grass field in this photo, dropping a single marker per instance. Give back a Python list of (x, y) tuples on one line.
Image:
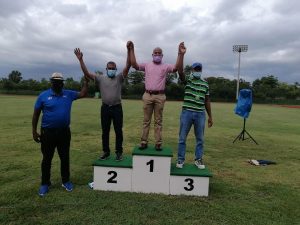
[(239, 192)]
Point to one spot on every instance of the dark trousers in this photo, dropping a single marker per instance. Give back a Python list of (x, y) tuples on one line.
[(50, 139), (115, 114)]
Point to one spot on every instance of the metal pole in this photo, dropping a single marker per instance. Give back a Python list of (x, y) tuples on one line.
[(239, 49), (238, 79)]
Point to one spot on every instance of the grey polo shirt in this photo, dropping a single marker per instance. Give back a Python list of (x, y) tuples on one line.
[(110, 88)]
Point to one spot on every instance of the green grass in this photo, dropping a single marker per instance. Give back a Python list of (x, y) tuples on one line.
[(239, 193)]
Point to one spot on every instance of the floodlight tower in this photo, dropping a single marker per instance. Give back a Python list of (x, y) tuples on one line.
[(239, 49)]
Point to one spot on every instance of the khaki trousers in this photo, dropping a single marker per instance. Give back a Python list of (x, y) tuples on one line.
[(153, 103)]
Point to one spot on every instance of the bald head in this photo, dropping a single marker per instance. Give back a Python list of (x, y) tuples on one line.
[(157, 51)]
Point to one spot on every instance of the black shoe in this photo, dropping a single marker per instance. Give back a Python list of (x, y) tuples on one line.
[(119, 157), (104, 156), (143, 146), (158, 147)]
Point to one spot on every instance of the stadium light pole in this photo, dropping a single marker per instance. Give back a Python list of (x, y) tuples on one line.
[(239, 49)]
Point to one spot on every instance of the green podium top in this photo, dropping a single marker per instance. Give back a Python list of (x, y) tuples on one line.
[(190, 170), (111, 162), (151, 151)]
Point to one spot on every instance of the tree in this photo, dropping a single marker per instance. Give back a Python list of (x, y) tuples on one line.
[(8, 84), (187, 69), (170, 78), (136, 77), (266, 87), (221, 88), (44, 84), (175, 91), (70, 83), (98, 72), (15, 76)]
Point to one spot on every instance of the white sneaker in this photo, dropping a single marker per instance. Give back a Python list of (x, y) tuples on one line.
[(179, 165), (199, 164), (91, 185)]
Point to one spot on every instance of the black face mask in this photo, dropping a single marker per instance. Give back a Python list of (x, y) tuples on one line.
[(57, 86)]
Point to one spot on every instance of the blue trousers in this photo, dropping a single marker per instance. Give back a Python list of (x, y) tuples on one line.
[(187, 119)]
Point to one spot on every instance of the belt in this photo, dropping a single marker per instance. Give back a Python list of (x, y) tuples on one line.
[(55, 129), (155, 92), (106, 105)]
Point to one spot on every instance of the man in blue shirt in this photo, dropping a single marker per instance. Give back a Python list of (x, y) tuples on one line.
[(55, 103)]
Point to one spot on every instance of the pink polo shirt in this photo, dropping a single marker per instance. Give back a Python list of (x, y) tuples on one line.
[(155, 75)]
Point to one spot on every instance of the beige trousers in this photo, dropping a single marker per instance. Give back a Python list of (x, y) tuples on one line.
[(153, 103)]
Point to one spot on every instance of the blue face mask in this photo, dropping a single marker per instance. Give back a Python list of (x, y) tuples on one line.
[(197, 74), (111, 73)]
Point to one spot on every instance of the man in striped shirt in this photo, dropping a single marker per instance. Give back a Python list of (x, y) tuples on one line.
[(196, 102)]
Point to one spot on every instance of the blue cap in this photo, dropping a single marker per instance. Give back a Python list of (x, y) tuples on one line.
[(196, 64)]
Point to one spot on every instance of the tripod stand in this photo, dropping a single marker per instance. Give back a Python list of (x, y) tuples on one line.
[(241, 136)]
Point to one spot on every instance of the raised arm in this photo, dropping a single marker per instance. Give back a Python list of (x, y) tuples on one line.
[(133, 62), (84, 69), (179, 61), (127, 67), (35, 119), (84, 90)]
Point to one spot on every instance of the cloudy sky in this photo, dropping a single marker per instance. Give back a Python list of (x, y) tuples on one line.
[(37, 37)]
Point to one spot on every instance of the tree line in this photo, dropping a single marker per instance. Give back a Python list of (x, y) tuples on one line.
[(266, 89)]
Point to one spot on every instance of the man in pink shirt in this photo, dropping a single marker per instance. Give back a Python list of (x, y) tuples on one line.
[(154, 97)]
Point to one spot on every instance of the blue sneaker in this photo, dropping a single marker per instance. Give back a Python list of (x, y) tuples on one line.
[(68, 186), (44, 189)]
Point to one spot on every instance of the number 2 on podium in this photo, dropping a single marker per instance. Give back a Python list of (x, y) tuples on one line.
[(112, 178)]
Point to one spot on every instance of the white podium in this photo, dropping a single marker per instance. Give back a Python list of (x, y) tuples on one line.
[(110, 175), (189, 180), (150, 171)]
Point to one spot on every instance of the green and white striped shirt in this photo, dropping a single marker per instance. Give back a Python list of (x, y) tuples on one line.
[(194, 94)]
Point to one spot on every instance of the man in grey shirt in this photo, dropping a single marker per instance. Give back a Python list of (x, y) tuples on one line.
[(110, 86)]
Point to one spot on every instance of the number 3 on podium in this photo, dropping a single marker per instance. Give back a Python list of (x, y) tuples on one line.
[(190, 183)]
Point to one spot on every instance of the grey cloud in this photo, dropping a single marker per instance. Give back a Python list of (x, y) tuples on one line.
[(11, 8), (37, 36), (229, 10), (71, 10), (287, 8)]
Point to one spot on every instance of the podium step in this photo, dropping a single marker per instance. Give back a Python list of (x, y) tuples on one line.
[(189, 180), (151, 151), (112, 175), (190, 170), (150, 171), (111, 162)]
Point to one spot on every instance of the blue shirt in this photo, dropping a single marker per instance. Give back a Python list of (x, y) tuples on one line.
[(56, 108)]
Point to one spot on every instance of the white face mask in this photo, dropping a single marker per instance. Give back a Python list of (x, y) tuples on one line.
[(197, 74)]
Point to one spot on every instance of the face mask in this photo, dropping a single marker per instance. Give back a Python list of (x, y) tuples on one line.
[(57, 86), (111, 73), (157, 58), (197, 74)]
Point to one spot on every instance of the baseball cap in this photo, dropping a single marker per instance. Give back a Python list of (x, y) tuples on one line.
[(57, 76), (196, 64)]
